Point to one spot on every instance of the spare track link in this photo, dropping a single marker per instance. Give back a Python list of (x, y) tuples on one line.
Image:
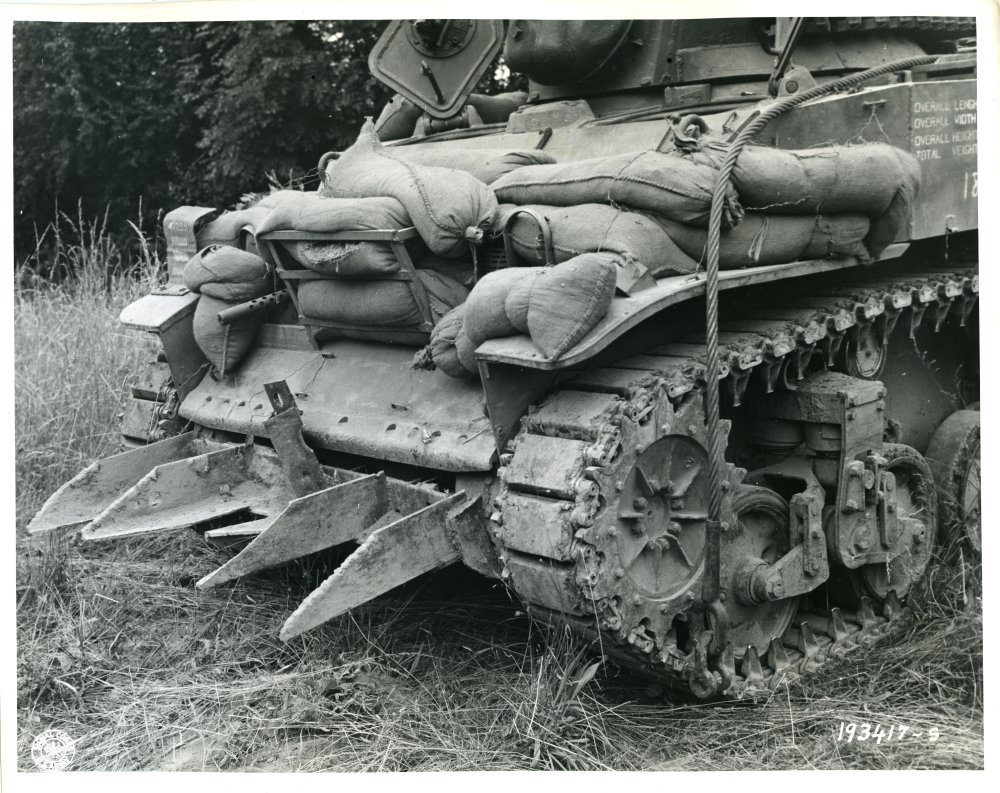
[(574, 448)]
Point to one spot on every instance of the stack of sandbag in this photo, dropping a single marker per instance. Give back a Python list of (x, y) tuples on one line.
[(315, 212), (450, 209), (556, 306), (830, 201), (368, 302), (225, 276), (876, 180)]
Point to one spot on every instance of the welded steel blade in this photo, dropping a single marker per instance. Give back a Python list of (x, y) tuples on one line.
[(237, 534), (239, 531), (188, 492), (307, 525), (392, 555), (97, 486)]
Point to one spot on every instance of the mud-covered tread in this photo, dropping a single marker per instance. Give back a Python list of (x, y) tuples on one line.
[(814, 638)]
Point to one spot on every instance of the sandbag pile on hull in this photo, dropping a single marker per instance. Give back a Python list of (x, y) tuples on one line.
[(576, 230), (822, 202), (651, 209)]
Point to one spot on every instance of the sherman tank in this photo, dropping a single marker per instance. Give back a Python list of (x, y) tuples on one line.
[(742, 467)]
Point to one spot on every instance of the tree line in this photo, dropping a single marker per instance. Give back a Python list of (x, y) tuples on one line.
[(134, 119)]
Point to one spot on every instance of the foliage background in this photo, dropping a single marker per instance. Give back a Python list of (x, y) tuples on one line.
[(140, 118)]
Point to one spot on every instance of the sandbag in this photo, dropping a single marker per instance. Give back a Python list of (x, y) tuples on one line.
[(440, 353), (487, 166), (231, 228), (485, 308), (228, 274), (828, 180), (345, 258), (465, 350), (597, 228), (223, 345), (321, 213), (891, 225), (449, 208), (775, 239), (668, 184), (518, 298), (568, 300), (383, 304)]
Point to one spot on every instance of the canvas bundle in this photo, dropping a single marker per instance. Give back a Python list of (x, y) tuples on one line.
[(450, 209), (676, 187), (228, 274)]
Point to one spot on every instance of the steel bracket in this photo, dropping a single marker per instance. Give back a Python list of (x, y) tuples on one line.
[(805, 566), (284, 429)]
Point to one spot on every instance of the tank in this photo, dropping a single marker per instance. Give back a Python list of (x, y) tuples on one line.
[(737, 474)]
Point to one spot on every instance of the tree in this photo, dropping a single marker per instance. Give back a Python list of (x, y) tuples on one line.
[(192, 113), (280, 94)]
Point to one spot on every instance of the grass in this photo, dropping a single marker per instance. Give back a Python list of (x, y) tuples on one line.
[(116, 647)]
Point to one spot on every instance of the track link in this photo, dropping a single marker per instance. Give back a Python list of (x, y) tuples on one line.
[(558, 525)]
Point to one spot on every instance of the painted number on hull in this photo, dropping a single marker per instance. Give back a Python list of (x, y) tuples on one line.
[(971, 189)]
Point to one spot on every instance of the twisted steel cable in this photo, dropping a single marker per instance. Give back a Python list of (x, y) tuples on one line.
[(710, 587)]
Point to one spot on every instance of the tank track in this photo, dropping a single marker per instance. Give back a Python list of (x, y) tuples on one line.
[(556, 522)]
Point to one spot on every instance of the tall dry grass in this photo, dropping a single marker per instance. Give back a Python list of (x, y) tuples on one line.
[(72, 360), (117, 647)]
